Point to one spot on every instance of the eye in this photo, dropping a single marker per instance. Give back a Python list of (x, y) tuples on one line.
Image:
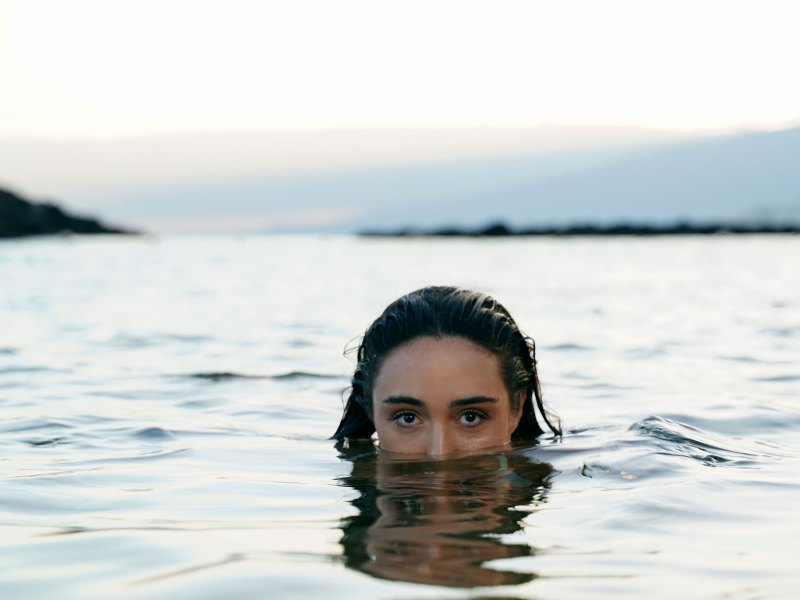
[(405, 418), (471, 418)]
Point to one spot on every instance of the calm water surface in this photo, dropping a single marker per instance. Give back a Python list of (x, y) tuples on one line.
[(165, 405)]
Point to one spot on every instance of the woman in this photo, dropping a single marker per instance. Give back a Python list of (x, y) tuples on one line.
[(445, 372)]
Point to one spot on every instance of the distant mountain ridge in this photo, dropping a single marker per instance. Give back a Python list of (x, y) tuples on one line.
[(750, 178), (737, 179), (746, 179)]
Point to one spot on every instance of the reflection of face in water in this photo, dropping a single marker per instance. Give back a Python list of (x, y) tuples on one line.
[(437, 522)]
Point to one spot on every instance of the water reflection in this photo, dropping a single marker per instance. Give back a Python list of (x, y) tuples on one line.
[(440, 522)]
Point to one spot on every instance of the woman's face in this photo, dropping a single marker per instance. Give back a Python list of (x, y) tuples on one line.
[(442, 397)]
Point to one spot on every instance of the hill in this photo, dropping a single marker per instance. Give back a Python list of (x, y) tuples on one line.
[(750, 179), (20, 217), (745, 179)]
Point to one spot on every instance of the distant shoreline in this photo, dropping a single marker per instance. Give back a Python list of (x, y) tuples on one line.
[(21, 218), (621, 229)]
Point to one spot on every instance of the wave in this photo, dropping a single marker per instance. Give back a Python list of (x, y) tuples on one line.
[(32, 425), (134, 340), (219, 376), (570, 347), (24, 369), (750, 360), (781, 332), (675, 438), (153, 433), (292, 375), (778, 378)]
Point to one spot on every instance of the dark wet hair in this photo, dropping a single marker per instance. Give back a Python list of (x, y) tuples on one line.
[(439, 311)]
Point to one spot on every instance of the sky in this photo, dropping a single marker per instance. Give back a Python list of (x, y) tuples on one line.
[(113, 104), (111, 68)]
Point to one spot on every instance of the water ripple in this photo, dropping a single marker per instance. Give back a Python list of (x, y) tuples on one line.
[(743, 359), (139, 456), (31, 425), (219, 376), (778, 378), (153, 433), (25, 369), (216, 376), (781, 332), (570, 347), (133, 340), (679, 439), (645, 353), (56, 441), (293, 375)]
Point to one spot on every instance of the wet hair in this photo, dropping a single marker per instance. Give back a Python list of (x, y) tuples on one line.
[(439, 311)]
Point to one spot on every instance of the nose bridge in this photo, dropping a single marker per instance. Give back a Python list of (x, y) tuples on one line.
[(439, 439)]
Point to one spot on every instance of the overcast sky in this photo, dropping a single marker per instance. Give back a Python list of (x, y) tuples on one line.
[(106, 68)]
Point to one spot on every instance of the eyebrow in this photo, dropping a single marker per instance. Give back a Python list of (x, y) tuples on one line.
[(402, 400), (473, 400), (454, 404)]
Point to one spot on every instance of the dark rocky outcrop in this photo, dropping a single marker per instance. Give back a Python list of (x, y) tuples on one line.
[(20, 217), (623, 229)]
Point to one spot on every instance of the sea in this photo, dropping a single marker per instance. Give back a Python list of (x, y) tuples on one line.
[(166, 404)]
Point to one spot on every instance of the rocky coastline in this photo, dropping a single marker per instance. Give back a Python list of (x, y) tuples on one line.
[(21, 218), (622, 229)]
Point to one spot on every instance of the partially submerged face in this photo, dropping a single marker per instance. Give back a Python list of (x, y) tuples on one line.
[(442, 397)]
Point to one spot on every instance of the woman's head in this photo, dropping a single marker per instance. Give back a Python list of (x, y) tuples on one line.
[(444, 370)]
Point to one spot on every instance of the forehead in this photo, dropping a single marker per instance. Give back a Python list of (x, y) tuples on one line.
[(436, 366)]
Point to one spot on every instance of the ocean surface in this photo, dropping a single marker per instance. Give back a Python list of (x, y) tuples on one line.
[(165, 404)]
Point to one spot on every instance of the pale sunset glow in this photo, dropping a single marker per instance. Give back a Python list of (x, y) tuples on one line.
[(98, 68)]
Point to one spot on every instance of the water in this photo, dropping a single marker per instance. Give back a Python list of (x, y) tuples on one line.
[(165, 404)]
